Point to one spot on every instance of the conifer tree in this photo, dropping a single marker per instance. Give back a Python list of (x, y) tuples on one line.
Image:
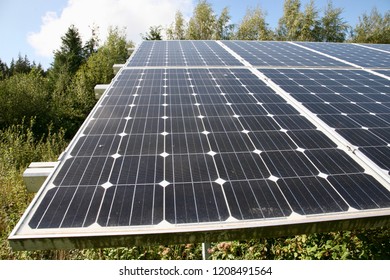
[(333, 26)]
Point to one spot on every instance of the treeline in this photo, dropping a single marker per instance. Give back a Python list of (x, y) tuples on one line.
[(41, 110), (63, 95), (298, 23)]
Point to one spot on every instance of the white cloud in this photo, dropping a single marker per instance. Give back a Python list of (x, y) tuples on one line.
[(135, 15)]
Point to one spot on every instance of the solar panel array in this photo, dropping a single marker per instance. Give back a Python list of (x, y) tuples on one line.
[(191, 138)]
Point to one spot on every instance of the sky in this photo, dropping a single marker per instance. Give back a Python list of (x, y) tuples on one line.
[(34, 27)]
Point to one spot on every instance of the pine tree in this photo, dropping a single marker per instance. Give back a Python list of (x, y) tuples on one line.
[(153, 34), (333, 27), (67, 61), (70, 55), (4, 70), (22, 65)]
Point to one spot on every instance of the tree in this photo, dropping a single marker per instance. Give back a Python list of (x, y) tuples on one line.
[(25, 96), (154, 33), (201, 25), (71, 54), (333, 27), (373, 28), (4, 70), (223, 30), (80, 98), (253, 26), (22, 65), (92, 44), (177, 30), (290, 23), (67, 61), (310, 26)]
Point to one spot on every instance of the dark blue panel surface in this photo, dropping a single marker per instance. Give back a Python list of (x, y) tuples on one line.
[(359, 114), (187, 146)]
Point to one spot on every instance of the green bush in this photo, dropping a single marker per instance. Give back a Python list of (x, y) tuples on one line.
[(18, 148)]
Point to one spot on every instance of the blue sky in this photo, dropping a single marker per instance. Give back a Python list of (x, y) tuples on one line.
[(34, 27)]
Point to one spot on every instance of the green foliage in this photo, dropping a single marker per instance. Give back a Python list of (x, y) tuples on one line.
[(116, 45), (310, 25), (25, 96), (223, 30), (67, 61), (4, 70), (177, 30), (70, 55), (254, 26), (74, 101), (153, 34), (18, 147), (90, 47), (201, 24), (333, 27), (294, 25), (290, 23), (373, 28), (358, 244), (21, 66)]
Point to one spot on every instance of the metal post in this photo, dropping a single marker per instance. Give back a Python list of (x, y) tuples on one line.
[(205, 250)]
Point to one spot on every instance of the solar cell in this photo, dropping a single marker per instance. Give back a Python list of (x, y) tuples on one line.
[(182, 53), (353, 53), (263, 53), (383, 47), (187, 144), (353, 114)]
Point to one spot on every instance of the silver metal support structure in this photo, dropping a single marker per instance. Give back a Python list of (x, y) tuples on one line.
[(205, 250)]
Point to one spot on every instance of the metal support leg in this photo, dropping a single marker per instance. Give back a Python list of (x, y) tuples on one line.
[(205, 250)]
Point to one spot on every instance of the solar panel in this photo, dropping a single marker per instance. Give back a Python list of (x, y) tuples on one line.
[(263, 53), (353, 53), (383, 72), (355, 103), (182, 53), (383, 47), (196, 152)]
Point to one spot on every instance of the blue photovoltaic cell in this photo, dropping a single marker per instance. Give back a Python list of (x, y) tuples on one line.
[(260, 53), (182, 53), (383, 47), (353, 102), (352, 53)]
